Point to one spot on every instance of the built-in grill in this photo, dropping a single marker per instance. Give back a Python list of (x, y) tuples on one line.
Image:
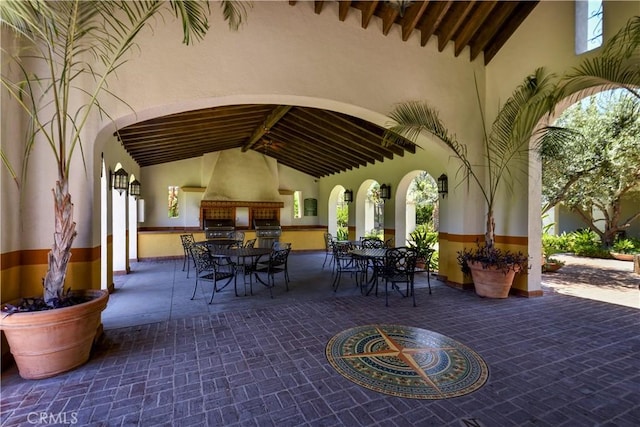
[(268, 231), (219, 228)]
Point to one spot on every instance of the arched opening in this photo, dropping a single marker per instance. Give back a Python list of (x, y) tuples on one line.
[(338, 213)]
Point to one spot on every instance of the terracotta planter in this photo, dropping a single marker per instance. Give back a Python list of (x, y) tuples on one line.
[(491, 282), (47, 343), (551, 267), (622, 257)]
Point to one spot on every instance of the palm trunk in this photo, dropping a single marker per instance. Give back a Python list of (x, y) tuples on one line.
[(65, 233), (489, 235)]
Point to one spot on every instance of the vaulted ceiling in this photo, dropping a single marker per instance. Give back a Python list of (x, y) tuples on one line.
[(320, 142)]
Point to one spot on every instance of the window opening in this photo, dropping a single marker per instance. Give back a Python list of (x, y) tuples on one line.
[(589, 28), (173, 201), (297, 198)]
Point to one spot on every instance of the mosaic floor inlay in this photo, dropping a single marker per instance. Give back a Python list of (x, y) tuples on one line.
[(407, 362)]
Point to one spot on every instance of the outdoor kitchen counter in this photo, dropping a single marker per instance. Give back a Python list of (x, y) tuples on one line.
[(165, 243)]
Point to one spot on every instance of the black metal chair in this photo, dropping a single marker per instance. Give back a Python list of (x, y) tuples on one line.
[(270, 265), (211, 269), (328, 248), (250, 243), (399, 267), (187, 242), (372, 243), (345, 263)]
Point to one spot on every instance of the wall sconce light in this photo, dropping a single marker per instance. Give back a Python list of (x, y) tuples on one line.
[(443, 185), (119, 180), (385, 192), (348, 196), (134, 188)]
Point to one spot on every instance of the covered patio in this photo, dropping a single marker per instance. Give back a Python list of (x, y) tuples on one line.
[(256, 361)]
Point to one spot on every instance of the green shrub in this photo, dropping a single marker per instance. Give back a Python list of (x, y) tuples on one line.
[(554, 244), (586, 243), (626, 246)]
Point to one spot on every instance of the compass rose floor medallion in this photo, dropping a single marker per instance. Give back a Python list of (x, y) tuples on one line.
[(406, 362)]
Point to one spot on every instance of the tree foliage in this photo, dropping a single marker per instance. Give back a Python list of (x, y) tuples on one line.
[(593, 171)]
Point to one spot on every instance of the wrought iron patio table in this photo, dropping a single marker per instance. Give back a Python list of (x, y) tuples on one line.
[(375, 256), (240, 255)]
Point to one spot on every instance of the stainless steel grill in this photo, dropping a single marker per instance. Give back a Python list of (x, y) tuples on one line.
[(219, 228), (268, 231)]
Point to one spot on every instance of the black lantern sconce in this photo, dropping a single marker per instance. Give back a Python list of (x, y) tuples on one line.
[(348, 196), (443, 185), (134, 188), (385, 192), (119, 180)]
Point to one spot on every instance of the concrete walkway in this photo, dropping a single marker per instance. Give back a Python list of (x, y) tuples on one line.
[(607, 280)]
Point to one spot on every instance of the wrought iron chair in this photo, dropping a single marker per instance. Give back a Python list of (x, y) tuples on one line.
[(250, 243), (345, 263), (238, 236), (328, 248), (187, 242), (211, 269), (273, 263), (399, 267), (372, 243)]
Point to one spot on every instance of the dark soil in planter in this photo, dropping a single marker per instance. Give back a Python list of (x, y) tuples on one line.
[(38, 304)]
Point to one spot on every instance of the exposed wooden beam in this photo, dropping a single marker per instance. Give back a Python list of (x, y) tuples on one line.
[(507, 30), (433, 17), (389, 16), (411, 18), (269, 122), (454, 20), (367, 12), (486, 33), (317, 7), (474, 23), (343, 9)]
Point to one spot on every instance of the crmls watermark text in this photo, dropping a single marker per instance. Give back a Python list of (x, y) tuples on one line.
[(51, 418)]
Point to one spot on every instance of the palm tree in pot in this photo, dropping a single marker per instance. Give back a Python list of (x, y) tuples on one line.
[(505, 148), (71, 49), (508, 144)]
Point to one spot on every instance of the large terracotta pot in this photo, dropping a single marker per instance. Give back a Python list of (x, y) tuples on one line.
[(47, 343), (491, 282)]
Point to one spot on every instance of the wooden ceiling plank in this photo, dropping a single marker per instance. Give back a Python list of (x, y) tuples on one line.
[(453, 21), (343, 9), (347, 155), (277, 114), (339, 137), (474, 22), (370, 137), (433, 16), (244, 127), (306, 143), (411, 17), (367, 12), (317, 7), (515, 19), (486, 33)]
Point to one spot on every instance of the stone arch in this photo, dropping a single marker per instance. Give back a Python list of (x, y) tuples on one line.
[(332, 208)]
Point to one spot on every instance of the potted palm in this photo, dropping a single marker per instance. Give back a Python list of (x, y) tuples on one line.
[(72, 48), (506, 145)]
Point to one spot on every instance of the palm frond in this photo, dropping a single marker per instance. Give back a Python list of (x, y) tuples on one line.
[(235, 12), (194, 17), (615, 67)]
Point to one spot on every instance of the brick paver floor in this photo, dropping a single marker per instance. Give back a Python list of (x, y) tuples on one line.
[(556, 360)]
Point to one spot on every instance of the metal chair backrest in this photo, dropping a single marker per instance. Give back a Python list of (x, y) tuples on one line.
[(187, 240), (280, 245), (400, 261), (201, 258), (250, 243), (372, 243)]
